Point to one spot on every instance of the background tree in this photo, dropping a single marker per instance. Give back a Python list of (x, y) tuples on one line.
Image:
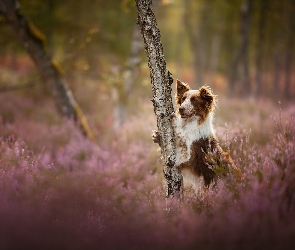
[(262, 17), (197, 36), (34, 43), (242, 55), (126, 80), (289, 9)]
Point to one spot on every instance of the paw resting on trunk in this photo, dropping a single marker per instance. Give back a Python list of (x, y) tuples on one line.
[(156, 137)]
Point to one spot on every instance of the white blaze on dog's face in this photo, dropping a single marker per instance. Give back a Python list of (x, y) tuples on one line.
[(198, 103)]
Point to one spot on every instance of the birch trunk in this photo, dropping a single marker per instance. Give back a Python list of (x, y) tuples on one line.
[(128, 79), (161, 81), (34, 43)]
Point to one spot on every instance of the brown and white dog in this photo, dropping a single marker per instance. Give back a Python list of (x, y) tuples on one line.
[(198, 154)]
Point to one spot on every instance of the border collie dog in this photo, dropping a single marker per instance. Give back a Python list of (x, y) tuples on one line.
[(198, 155)]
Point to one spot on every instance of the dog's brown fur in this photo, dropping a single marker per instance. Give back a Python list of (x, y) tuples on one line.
[(203, 101), (207, 159)]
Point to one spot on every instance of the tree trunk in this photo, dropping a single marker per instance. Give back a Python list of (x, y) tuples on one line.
[(276, 73), (198, 38), (127, 79), (193, 40), (260, 46), (288, 68), (161, 81), (289, 48), (278, 53), (215, 54), (242, 54), (34, 43)]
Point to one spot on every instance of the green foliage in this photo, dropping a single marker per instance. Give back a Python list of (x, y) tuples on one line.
[(89, 37), (80, 33)]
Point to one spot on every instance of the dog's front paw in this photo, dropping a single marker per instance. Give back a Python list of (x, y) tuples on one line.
[(172, 116), (173, 120), (156, 137)]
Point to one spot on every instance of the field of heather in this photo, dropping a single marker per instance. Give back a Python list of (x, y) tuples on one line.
[(60, 191)]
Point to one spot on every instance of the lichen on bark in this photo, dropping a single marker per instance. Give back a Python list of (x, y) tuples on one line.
[(161, 80)]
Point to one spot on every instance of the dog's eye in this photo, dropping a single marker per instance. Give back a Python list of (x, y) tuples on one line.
[(193, 99), (183, 99)]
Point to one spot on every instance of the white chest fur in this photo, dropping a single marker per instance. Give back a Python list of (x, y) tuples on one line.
[(187, 131)]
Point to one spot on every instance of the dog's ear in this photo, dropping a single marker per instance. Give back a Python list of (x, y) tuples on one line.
[(206, 94), (181, 88)]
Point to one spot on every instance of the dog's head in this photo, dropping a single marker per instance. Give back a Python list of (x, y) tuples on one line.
[(198, 103)]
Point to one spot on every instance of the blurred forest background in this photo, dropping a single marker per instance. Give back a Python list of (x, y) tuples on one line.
[(240, 48)]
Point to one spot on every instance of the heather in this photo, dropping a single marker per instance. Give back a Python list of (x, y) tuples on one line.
[(61, 191)]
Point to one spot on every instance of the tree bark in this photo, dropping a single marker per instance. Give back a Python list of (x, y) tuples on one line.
[(34, 43), (242, 53), (161, 81), (127, 80), (215, 54), (260, 46), (198, 37), (289, 48)]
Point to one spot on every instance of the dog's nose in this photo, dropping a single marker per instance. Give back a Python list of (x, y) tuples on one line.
[(181, 110)]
